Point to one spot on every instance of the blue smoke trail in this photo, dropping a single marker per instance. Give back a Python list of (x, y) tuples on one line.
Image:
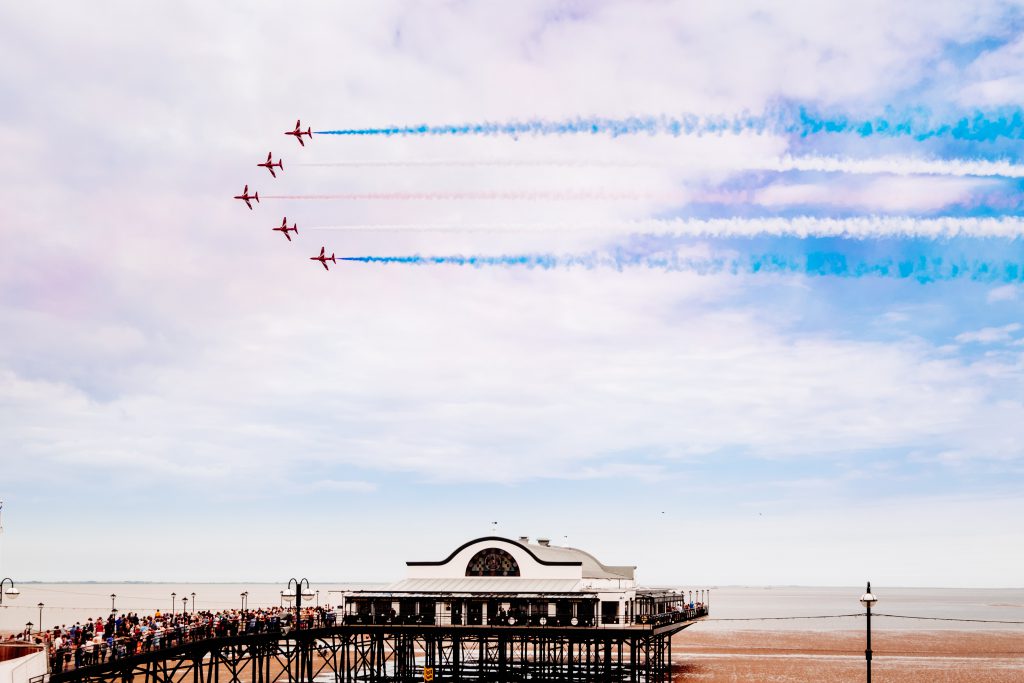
[(923, 269), (798, 120)]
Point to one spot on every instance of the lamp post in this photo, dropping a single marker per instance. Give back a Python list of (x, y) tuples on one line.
[(40, 606), (244, 596), (173, 596), (28, 626), (318, 598), (297, 597), (113, 597), (12, 593), (281, 602), (184, 605), (868, 599), (193, 603)]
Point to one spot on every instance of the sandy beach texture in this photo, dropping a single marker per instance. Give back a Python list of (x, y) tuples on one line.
[(826, 657)]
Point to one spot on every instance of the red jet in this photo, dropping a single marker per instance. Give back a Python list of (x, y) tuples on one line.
[(284, 228), (269, 164), (323, 259), (245, 197), (298, 133)]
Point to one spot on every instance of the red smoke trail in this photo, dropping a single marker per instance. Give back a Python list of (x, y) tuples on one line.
[(483, 196)]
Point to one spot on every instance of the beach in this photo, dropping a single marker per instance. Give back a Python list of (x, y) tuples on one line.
[(899, 656)]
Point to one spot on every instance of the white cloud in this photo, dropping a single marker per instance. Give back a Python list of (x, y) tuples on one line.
[(989, 335), (346, 486), (1004, 293)]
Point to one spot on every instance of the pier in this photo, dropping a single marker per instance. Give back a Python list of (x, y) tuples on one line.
[(495, 609)]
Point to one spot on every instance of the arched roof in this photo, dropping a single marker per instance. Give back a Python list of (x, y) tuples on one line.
[(550, 555)]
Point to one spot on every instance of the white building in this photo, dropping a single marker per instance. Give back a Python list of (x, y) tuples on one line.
[(500, 581)]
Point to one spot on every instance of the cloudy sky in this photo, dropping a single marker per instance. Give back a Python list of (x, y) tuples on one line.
[(789, 351)]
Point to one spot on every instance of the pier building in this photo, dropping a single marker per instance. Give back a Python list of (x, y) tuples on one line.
[(494, 609), (497, 581)]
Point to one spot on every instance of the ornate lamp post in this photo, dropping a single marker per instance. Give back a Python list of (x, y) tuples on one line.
[(184, 605), (40, 606), (245, 597), (868, 599), (297, 597), (12, 593), (113, 597), (28, 627), (173, 597), (193, 603)]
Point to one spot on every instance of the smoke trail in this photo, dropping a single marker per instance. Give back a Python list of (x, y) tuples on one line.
[(568, 196), (919, 124), (871, 166), (861, 228), (897, 166), (923, 269)]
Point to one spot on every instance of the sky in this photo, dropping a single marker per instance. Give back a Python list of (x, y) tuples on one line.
[(728, 291)]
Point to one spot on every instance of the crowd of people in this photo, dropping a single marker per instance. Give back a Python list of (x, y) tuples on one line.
[(122, 635)]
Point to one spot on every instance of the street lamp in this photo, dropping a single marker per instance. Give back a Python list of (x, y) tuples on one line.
[(193, 603), (40, 606), (173, 596), (12, 593), (28, 626), (868, 599), (318, 598), (184, 605), (299, 594), (281, 602), (112, 598), (244, 596)]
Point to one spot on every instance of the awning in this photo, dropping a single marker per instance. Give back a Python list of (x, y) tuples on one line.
[(477, 585)]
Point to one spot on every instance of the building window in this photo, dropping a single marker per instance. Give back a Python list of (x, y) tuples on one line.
[(492, 562)]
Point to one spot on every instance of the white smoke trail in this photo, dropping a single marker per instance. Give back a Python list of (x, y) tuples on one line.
[(867, 227), (877, 166)]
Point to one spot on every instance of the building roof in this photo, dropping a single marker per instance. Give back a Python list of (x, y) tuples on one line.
[(551, 555), (592, 568)]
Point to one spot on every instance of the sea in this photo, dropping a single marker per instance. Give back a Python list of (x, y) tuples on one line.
[(775, 608)]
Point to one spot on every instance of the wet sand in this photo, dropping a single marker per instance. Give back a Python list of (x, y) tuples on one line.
[(834, 656)]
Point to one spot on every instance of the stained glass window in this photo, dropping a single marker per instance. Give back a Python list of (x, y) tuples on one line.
[(492, 562)]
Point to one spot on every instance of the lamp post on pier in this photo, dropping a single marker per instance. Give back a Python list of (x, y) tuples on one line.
[(173, 597), (40, 606), (868, 600), (12, 593), (297, 597), (245, 596), (184, 605), (193, 603), (113, 596)]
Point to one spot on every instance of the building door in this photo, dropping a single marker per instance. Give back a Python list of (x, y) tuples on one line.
[(609, 612), (457, 613), (475, 613)]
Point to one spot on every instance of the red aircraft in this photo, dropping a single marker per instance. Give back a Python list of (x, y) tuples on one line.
[(284, 228), (269, 164), (245, 197), (298, 133), (323, 259)]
